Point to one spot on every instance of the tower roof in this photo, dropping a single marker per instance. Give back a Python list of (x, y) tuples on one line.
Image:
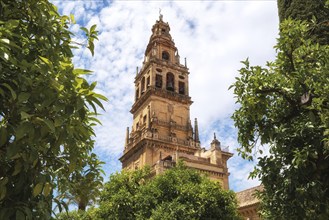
[(160, 34)]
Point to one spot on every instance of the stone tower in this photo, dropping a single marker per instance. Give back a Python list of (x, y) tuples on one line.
[(162, 131)]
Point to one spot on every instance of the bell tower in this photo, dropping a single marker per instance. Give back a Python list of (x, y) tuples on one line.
[(162, 127)]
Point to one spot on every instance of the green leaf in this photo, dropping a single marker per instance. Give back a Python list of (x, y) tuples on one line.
[(100, 96), (13, 150), (81, 72), (18, 168), (22, 130), (92, 85), (46, 61), (3, 135), (58, 122), (11, 24), (72, 18), (3, 192), (47, 189), (13, 93), (24, 96), (35, 162), (37, 189), (72, 167), (3, 181), (312, 117), (91, 47), (95, 100), (20, 215), (25, 115), (85, 30), (93, 28), (49, 124), (95, 119)]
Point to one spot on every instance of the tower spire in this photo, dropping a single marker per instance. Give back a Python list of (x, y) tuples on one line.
[(196, 131)]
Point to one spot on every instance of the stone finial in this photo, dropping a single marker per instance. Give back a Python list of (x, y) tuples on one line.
[(127, 138), (196, 130)]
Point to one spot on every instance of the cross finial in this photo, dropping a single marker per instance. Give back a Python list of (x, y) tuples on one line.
[(214, 135)]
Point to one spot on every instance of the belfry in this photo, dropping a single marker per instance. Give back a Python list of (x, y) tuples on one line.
[(162, 132)]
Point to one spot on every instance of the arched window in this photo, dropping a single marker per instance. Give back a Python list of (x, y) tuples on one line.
[(165, 55), (170, 82)]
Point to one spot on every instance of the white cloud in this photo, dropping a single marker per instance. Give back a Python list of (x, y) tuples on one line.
[(214, 36)]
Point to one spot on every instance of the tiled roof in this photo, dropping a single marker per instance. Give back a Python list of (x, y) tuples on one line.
[(247, 197)]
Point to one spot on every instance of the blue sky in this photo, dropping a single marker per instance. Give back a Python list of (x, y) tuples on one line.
[(214, 36)]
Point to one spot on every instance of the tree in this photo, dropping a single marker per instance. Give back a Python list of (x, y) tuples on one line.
[(285, 105), (308, 10), (45, 122), (179, 193), (83, 186), (77, 215)]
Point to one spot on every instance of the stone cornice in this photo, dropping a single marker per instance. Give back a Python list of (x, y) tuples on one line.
[(158, 143)]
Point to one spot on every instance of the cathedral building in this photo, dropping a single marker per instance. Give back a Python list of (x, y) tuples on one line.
[(162, 132)]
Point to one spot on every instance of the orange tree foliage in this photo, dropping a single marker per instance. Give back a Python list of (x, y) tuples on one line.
[(178, 193), (45, 121), (285, 105)]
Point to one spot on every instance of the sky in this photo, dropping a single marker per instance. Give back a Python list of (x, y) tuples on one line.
[(213, 36)]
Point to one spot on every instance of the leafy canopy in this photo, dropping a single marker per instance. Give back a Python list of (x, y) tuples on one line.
[(45, 122), (285, 105), (308, 10), (178, 193)]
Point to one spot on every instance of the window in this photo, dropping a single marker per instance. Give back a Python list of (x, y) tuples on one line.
[(137, 94), (144, 119), (143, 85), (148, 82), (158, 81), (181, 88), (165, 55), (170, 82)]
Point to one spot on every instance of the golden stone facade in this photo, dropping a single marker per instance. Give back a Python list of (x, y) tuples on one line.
[(162, 132)]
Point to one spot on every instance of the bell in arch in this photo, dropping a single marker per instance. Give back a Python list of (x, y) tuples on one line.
[(170, 86)]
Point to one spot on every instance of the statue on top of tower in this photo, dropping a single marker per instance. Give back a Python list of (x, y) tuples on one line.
[(160, 15)]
